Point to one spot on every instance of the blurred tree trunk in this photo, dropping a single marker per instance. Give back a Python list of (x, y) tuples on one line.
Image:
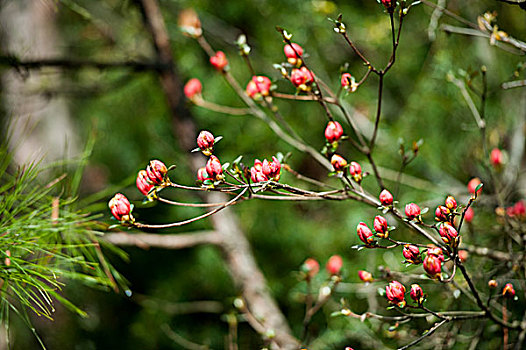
[(38, 125)]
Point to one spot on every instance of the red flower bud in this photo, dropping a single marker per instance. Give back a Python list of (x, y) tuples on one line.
[(214, 168), (508, 291), (156, 171), (451, 203), (143, 182), (449, 234), (311, 268), (219, 61), (120, 207), (441, 213), (436, 252), (412, 254), (202, 175), (517, 210), (256, 172), (493, 284), (364, 233), (301, 78), (433, 265), (258, 86), (193, 87), (293, 53), (412, 211), (380, 227), (205, 141), (468, 216), (463, 255), (348, 82), (472, 185), (365, 276), (417, 294), (333, 132), (356, 171), (386, 198), (334, 265), (496, 157), (395, 293), (338, 162), (271, 169)]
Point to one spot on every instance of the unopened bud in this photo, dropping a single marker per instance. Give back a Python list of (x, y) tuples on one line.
[(364, 233), (365, 276), (156, 171), (338, 162), (333, 131), (293, 53), (386, 198), (493, 284), (120, 207), (508, 291), (451, 203), (412, 211), (380, 227), (219, 61), (334, 265), (205, 141)]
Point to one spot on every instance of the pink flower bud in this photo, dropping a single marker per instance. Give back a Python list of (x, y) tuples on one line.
[(356, 171), (412, 211), (449, 234), (311, 268), (256, 172), (334, 265), (463, 255), (333, 132), (365, 276), (202, 175), (411, 254), (205, 141), (386, 198), (508, 291), (271, 169), (293, 53), (496, 157), (258, 86), (441, 213), (338, 162), (120, 207), (472, 185), (301, 78), (193, 87), (380, 227), (433, 265), (436, 252), (143, 182), (395, 293), (214, 168), (451, 203), (364, 233), (417, 294), (468, 216), (348, 82), (493, 284), (156, 171), (219, 61), (518, 210)]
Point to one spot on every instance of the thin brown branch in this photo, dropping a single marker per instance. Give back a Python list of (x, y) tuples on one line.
[(163, 241)]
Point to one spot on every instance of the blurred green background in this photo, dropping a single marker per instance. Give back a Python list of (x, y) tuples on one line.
[(127, 115)]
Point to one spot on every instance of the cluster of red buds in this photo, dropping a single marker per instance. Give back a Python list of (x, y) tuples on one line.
[(302, 78), (433, 262), (339, 163), (508, 291), (154, 175), (258, 87), (265, 171), (518, 210), (213, 171), (311, 267), (417, 294), (348, 82), (381, 229)]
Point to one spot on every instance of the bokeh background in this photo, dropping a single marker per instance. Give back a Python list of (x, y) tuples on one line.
[(121, 117)]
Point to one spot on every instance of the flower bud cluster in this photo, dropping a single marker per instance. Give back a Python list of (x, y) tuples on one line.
[(348, 82), (433, 262), (265, 171), (395, 293), (258, 87), (121, 208), (154, 175)]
